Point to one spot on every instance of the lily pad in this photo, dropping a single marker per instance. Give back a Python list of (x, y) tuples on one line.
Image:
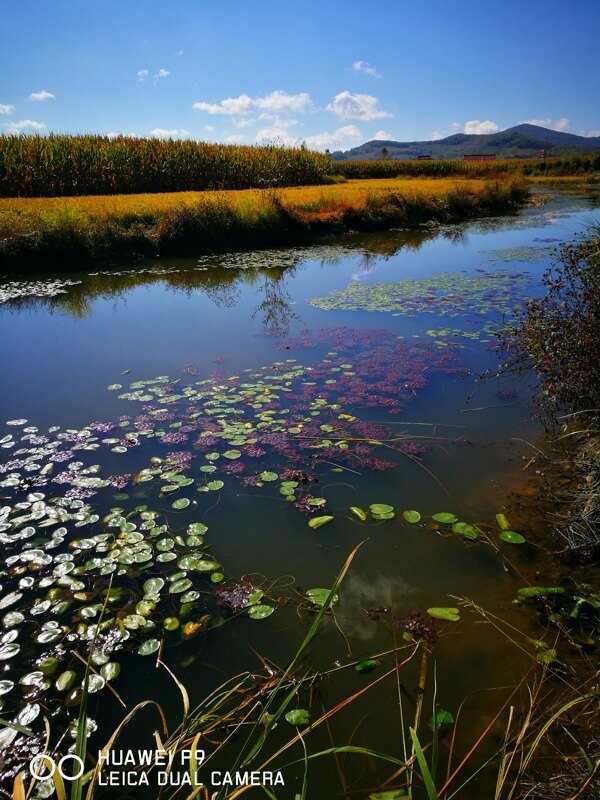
[(380, 508), (445, 516), (260, 611), (268, 476), (298, 717), (148, 647), (411, 516), (183, 502), (318, 522), (512, 537), (366, 665), (319, 596), (447, 614), (466, 530)]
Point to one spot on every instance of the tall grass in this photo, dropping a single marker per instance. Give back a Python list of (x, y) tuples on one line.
[(67, 237), (58, 165), (440, 168)]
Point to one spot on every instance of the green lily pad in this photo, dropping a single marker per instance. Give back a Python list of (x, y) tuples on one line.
[(297, 717), (539, 591), (503, 523), (447, 614), (110, 671), (445, 516), (148, 647), (181, 585), (466, 530), (153, 586), (319, 596), (366, 665), (380, 508), (268, 476), (232, 454), (512, 537), (318, 522), (183, 502), (197, 528), (359, 512), (411, 516), (260, 611), (215, 485)]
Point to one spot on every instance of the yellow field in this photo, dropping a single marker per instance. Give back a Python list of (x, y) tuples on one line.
[(353, 193)]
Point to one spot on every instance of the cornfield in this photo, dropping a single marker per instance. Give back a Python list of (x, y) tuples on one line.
[(59, 165)]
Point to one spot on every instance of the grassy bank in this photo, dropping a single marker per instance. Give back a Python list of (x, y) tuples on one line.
[(557, 338), (78, 232)]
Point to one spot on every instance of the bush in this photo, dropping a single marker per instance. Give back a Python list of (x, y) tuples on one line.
[(558, 335)]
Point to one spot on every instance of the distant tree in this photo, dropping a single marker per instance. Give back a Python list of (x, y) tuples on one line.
[(384, 153)]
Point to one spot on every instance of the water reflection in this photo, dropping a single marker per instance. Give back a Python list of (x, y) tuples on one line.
[(222, 278)]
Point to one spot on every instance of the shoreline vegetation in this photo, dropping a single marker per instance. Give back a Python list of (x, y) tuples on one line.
[(74, 233), (70, 202)]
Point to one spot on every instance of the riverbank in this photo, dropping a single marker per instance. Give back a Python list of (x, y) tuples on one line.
[(69, 233)]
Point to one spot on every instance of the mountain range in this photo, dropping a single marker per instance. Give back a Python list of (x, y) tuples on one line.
[(521, 141)]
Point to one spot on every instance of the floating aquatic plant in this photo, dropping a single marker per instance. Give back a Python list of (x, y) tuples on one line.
[(475, 295)]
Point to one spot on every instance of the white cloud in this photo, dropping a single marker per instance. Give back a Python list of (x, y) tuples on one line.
[(142, 74), (479, 127), (561, 124), (280, 136), (438, 133), (166, 133), (6, 108), (368, 69), (346, 105), (383, 136), (346, 135), (590, 133), (232, 106), (280, 102), (277, 102), (456, 126), (244, 122), (43, 95), (20, 125), (235, 138), (162, 73), (208, 128)]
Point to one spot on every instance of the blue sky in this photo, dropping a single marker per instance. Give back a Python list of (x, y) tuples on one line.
[(332, 73)]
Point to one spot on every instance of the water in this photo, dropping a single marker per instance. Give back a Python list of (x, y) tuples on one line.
[(418, 433)]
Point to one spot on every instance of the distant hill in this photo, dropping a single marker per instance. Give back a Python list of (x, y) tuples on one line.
[(522, 141)]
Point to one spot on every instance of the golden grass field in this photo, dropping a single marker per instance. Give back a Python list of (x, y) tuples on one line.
[(353, 193)]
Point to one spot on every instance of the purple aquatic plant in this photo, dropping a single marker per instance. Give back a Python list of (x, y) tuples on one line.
[(236, 597), (234, 468), (182, 459), (418, 625), (173, 437), (80, 493), (118, 481)]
